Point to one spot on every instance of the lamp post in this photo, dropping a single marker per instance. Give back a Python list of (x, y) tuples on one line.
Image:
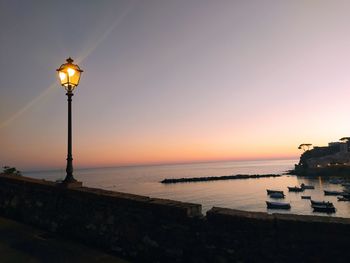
[(69, 76)]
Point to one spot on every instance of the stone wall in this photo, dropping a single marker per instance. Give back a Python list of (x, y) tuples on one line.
[(144, 229)]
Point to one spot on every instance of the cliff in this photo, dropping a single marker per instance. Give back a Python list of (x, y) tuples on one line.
[(327, 160)]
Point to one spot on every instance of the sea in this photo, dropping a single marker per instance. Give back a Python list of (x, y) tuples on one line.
[(242, 194)]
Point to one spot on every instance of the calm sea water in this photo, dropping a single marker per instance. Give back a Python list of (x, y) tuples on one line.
[(246, 194)]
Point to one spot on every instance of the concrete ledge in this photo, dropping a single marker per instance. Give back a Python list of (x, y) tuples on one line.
[(312, 219), (217, 213), (168, 208), (221, 214)]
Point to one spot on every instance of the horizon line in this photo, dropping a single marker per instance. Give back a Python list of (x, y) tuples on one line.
[(163, 164)]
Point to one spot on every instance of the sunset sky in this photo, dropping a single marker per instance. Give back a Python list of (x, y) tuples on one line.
[(172, 81)]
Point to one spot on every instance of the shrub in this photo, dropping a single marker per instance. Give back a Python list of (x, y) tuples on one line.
[(11, 171)]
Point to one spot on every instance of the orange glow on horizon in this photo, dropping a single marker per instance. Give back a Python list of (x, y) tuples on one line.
[(164, 154)]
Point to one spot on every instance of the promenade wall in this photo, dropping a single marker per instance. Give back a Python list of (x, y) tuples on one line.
[(144, 229)]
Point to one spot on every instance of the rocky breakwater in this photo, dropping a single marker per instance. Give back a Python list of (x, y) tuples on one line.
[(217, 178)]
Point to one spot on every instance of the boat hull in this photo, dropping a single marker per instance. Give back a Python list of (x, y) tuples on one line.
[(274, 191), (275, 205), (344, 199), (277, 195), (324, 209), (309, 187), (332, 192), (295, 189), (346, 195), (305, 197), (321, 203)]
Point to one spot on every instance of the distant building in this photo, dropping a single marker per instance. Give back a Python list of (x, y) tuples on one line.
[(340, 146), (344, 147), (336, 153), (330, 144)]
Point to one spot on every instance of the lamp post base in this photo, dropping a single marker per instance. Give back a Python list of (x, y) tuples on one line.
[(71, 184)]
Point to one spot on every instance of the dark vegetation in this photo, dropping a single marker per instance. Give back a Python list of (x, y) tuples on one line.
[(7, 170)]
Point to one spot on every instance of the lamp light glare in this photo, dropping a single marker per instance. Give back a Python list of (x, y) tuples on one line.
[(62, 76), (71, 72)]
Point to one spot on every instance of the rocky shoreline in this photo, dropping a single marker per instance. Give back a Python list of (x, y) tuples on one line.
[(339, 170)]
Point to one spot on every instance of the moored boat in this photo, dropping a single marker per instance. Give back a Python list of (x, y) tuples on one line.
[(335, 181), (321, 203), (277, 205), (327, 192), (343, 199), (305, 186), (295, 189), (346, 195), (277, 195), (323, 208), (306, 197), (274, 191)]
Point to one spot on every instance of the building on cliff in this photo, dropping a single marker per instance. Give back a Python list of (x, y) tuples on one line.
[(335, 154)]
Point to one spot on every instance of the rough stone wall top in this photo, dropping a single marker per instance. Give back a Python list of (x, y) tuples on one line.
[(161, 206)]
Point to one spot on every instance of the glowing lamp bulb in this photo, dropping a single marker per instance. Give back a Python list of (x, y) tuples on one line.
[(71, 72), (62, 76)]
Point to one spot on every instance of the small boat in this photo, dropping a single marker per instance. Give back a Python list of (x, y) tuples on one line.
[(295, 189), (306, 197), (346, 184), (305, 186), (326, 192), (277, 195), (335, 181), (346, 195), (321, 203), (323, 208), (277, 205), (274, 191), (343, 199)]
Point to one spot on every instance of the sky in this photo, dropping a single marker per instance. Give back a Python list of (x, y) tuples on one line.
[(172, 81)]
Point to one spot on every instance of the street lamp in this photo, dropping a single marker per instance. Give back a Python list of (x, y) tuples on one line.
[(69, 76)]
